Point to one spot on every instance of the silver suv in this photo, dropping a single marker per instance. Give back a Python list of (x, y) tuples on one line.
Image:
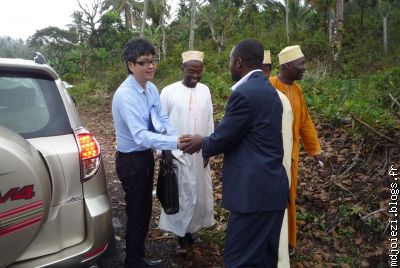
[(54, 205)]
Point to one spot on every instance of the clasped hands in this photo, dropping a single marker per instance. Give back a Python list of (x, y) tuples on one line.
[(190, 143)]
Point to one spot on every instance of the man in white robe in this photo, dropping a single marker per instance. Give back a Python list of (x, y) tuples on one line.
[(287, 138), (188, 106)]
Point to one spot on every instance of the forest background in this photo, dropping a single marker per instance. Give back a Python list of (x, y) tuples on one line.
[(352, 86), (351, 47)]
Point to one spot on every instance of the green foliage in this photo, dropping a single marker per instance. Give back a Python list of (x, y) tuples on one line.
[(71, 67), (347, 260), (315, 48), (111, 33), (216, 234), (89, 55), (53, 37), (11, 48), (169, 70), (347, 213), (318, 220), (219, 87), (85, 93), (335, 98), (375, 225)]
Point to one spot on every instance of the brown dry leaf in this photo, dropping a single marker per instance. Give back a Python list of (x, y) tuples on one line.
[(329, 149), (300, 222), (358, 240), (330, 264), (377, 252), (306, 264), (364, 263), (354, 147), (324, 195), (347, 182), (341, 158), (317, 257), (336, 244), (154, 234), (328, 155)]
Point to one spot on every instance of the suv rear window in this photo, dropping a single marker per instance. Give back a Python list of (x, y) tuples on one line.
[(31, 105)]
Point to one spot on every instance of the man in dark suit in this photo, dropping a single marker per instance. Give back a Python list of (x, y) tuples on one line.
[(255, 185)]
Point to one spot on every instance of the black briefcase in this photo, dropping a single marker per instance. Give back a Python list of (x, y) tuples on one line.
[(167, 185)]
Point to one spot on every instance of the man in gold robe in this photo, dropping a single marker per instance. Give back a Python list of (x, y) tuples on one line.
[(292, 68)]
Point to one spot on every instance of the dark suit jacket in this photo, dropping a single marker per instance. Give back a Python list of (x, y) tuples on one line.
[(250, 136)]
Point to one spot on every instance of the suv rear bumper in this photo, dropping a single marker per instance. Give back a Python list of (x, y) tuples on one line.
[(98, 221)]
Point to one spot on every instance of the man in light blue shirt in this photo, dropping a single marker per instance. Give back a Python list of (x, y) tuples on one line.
[(140, 126)]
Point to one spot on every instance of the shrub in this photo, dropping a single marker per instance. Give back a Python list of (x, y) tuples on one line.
[(336, 97)]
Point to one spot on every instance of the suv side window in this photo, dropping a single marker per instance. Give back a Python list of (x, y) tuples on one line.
[(30, 104)]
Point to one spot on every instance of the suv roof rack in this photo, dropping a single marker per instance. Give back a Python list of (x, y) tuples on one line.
[(39, 58)]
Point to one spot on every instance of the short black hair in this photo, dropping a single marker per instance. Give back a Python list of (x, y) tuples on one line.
[(135, 48), (251, 51)]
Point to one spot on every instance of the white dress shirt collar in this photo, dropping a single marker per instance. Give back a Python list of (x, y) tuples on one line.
[(244, 79)]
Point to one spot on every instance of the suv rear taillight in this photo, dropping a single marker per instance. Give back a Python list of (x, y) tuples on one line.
[(89, 153)]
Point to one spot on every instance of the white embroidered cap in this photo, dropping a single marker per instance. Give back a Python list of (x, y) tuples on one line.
[(267, 57), (289, 54), (192, 55)]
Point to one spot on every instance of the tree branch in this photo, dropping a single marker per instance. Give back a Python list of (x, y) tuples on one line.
[(372, 129), (372, 213), (395, 101)]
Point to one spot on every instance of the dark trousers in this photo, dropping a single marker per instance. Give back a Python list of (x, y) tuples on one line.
[(135, 171), (252, 239)]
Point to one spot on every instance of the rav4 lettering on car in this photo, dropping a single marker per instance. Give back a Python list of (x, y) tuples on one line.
[(25, 192)]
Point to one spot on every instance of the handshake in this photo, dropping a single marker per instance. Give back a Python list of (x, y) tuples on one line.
[(190, 144)]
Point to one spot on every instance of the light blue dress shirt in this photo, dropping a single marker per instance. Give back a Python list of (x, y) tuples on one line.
[(139, 120)]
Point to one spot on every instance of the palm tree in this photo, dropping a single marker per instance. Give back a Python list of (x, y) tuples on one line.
[(130, 9), (158, 11)]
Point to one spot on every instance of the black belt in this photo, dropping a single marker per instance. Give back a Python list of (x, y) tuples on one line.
[(136, 153)]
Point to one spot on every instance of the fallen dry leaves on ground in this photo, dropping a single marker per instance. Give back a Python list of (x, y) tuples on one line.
[(342, 209)]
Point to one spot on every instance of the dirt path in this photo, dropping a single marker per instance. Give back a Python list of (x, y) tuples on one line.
[(342, 211), (158, 244)]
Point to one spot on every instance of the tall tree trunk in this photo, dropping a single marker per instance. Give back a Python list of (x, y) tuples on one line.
[(330, 29), (287, 22), (337, 33), (384, 10), (363, 3), (162, 24), (218, 34), (326, 16), (145, 7), (385, 45), (128, 18), (192, 23)]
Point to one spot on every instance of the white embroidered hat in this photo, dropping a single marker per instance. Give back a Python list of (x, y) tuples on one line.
[(267, 57), (289, 54), (192, 55)]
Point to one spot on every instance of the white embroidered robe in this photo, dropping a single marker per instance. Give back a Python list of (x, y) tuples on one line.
[(190, 111)]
